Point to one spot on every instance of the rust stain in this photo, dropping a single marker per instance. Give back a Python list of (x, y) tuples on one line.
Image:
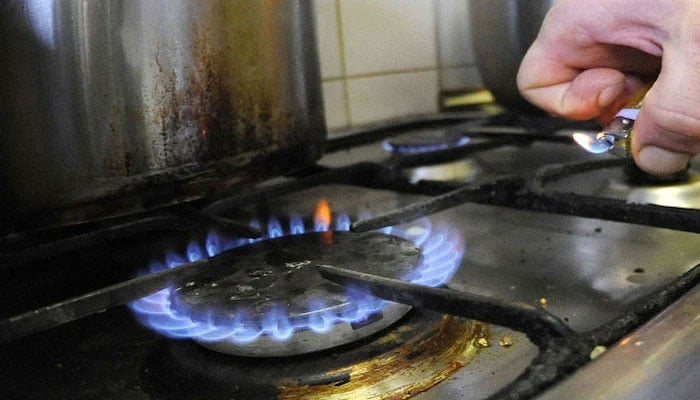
[(117, 161), (210, 110), (231, 100), (406, 371)]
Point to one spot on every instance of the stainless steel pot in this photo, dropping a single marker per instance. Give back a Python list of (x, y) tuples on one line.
[(502, 31), (113, 106)]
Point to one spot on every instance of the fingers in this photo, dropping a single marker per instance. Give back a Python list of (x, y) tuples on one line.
[(572, 93), (577, 69), (667, 130)]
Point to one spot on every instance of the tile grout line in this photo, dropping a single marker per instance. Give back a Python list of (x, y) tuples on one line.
[(379, 74), (455, 66), (343, 67), (438, 52)]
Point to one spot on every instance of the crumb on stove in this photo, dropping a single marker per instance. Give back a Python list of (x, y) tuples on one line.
[(597, 351), (505, 341)]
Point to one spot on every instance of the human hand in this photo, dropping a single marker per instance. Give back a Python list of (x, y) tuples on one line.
[(591, 58)]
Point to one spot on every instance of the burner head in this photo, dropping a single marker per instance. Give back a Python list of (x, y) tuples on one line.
[(280, 303), (423, 350), (636, 176), (275, 303), (426, 141), (681, 189)]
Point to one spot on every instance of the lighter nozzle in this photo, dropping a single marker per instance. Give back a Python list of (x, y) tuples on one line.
[(615, 138)]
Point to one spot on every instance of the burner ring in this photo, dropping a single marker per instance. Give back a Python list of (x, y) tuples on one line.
[(281, 305), (423, 349)]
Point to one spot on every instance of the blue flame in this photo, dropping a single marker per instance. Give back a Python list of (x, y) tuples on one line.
[(423, 148), (296, 225), (442, 251), (194, 252)]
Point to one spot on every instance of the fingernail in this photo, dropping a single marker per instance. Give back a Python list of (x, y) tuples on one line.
[(658, 161)]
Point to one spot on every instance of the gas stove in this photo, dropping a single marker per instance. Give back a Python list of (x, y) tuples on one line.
[(465, 255)]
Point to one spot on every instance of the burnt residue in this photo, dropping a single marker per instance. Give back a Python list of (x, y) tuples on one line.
[(337, 379), (403, 372), (182, 369)]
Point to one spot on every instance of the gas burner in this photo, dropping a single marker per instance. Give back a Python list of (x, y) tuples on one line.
[(424, 349), (616, 181), (275, 303), (426, 141), (280, 305), (685, 194)]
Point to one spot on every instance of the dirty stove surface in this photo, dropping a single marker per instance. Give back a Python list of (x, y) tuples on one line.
[(587, 272)]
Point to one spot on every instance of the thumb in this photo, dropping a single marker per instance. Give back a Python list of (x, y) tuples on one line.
[(667, 130)]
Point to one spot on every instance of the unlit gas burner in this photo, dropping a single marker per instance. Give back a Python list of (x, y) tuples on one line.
[(624, 181)]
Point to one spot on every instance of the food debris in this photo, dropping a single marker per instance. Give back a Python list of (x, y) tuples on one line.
[(543, 302), (597, 351), (483, 342), (505, 341)]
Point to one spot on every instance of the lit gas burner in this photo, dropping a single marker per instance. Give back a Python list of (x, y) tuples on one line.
[(426, 141), (275, 303)]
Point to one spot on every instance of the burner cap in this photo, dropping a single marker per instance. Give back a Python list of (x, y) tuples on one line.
[(681, 194), (278, 298)]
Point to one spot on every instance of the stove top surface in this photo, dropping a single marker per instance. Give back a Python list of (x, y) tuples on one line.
[(583, 270)]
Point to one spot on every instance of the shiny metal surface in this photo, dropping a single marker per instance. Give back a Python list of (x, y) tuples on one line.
[(683, 195), (612, 183), (661, 360), (489, 371), (104, 98), (588, 270)]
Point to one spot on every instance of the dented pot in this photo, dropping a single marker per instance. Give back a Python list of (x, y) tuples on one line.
[(111, 107)]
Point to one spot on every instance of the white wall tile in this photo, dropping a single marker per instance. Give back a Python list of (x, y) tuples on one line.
[(388, 35), (327, 36), (454, 34), (388, 55), (383, 97), (334, 103)]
